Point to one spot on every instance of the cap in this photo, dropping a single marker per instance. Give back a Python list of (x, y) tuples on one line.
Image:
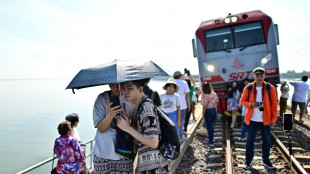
[(259, 70), (177, 73), (171, 81)]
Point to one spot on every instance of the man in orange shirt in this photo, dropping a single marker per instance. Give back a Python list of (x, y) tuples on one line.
[(261, 113)]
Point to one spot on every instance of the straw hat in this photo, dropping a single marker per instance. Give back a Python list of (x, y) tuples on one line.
[(171, 81)]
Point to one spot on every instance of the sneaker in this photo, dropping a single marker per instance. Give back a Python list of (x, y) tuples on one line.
[(186, 133), (268, 165), (246, 167), (210, 144), (232, 125)]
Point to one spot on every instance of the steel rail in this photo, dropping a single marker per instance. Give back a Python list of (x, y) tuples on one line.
[(295, 164), (229, 159)]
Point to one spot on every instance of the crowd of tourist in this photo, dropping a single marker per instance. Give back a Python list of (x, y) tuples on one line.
[(130, 108)]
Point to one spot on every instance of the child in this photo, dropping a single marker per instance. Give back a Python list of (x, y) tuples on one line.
[(209, 101), (74, 119), (171, 102), (233, 103), (150, 160)]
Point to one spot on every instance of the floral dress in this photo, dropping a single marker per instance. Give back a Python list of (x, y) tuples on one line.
[(70, 155), (209, 100), (234, 101)]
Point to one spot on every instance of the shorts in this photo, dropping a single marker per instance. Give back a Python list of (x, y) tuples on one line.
[(301, 106)]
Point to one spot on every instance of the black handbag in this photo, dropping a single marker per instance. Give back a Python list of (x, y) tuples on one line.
[(53, 171), (124, 141), (125, 144)]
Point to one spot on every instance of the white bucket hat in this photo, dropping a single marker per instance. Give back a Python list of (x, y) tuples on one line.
[(173, 82)]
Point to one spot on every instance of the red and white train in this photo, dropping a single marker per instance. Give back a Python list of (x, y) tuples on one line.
[(229, 48)]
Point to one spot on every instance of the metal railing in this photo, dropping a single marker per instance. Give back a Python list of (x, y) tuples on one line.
[(88, 143)]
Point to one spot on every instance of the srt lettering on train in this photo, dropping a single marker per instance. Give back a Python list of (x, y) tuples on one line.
[(239, 75)]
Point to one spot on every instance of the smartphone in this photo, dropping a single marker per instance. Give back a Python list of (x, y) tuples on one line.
[(115, 100), (287, 122)]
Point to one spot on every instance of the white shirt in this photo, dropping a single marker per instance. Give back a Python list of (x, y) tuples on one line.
[(75, 134), (243, 110), (300, 91), (104, 146), (257, 114), (183, 89), (169, 103)]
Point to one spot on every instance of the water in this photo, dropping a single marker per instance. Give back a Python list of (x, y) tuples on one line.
[(30, 113)]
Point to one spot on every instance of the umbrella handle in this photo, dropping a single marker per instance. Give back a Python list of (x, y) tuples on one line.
[(120, 98)]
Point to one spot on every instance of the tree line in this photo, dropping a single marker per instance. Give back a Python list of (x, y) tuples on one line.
[(294, 74)]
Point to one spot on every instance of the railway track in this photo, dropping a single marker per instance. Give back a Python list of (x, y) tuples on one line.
[(228, 154)]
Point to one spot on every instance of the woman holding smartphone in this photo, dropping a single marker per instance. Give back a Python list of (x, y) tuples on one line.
[(106, 160)]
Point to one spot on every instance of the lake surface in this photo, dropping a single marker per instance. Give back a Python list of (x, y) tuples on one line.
[(30, 113)]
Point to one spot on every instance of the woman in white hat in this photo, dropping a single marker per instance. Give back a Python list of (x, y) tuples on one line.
[(171, 102)]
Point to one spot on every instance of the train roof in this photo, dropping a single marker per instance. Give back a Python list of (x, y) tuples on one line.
[(242, 18)]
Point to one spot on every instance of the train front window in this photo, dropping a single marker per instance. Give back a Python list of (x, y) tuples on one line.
[(249, 34), (218, 39)]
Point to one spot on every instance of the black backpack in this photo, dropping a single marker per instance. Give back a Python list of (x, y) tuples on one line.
[(250, 87), (169, 144)]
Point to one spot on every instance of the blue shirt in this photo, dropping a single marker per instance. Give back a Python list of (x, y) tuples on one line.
[(300, 91)]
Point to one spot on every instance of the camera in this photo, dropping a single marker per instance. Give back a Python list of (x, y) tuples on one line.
[(186, 71), (287, 122), (260, 106)]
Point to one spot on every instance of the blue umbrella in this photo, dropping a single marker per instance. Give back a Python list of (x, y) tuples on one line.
[(117, 71)]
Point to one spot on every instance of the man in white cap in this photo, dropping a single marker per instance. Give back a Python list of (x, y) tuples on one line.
[(262, 112), (184, 96)]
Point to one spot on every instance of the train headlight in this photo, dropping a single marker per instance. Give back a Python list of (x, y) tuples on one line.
[(265, 59), (210, 68), (230, 19), (227, 20), (234, 19)]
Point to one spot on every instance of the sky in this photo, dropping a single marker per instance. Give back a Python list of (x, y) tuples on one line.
[(57, 38)]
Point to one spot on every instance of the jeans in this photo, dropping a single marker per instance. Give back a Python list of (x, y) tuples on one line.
[(183, 112), (174, 117), (252, 130), (210, 116), (243, 127)]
